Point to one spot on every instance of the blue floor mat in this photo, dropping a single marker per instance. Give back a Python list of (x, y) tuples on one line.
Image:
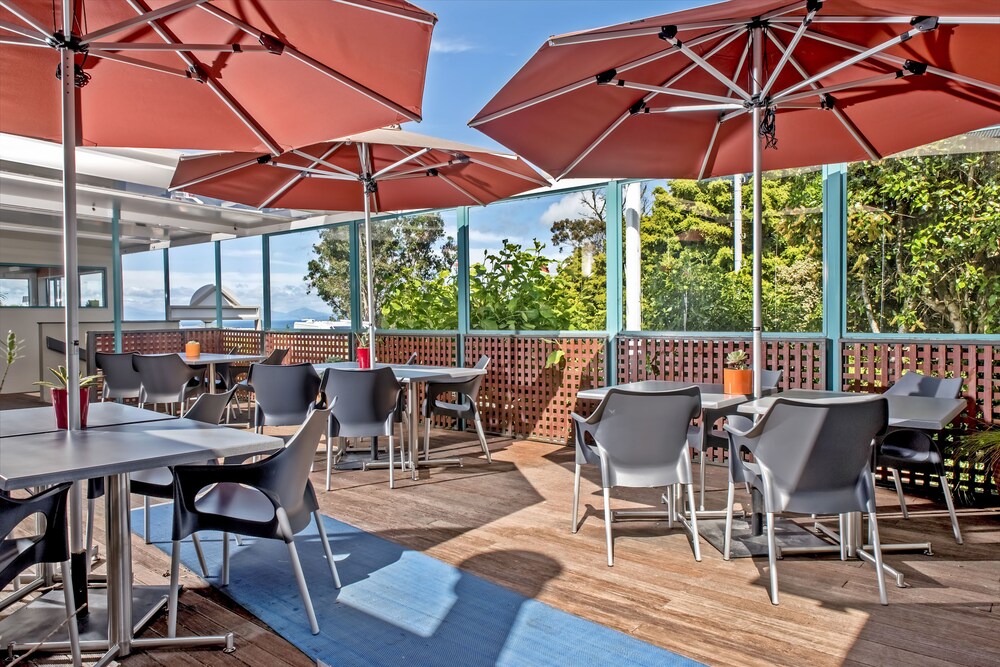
[(401, 607)]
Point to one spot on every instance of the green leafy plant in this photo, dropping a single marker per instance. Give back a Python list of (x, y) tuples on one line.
[(333, 358), (982, 447), (738, 360), (12, 352), (361, 339), (557, 357), (62, 379)]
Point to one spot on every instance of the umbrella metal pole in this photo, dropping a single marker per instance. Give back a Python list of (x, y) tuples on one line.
[(757, 353), (371, 275), (71, 298)]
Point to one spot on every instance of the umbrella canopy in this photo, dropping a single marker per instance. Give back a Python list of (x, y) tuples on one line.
[(381, 170), (699, 93), (217, 75)]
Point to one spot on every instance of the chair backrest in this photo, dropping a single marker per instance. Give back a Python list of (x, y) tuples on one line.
[(276, 357), (816, 457), (364, 402), (770, 379), (642, 436), (51, 546), (484, 362), (120, 376), (918, 384), (412, 360), (164, 376), (286, 473), (284, 394), (209, 408)]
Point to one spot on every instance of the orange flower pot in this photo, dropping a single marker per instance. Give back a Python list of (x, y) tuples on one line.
[(735, 381), (192, 350)]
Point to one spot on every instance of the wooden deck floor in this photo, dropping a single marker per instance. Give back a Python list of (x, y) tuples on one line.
[(509, 522)]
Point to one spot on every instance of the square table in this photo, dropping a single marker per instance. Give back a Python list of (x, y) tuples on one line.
[(114, 452), (711, 398), (210, 359), (28, 421)]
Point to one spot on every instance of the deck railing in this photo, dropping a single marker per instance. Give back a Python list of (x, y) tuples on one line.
[(531, 386)]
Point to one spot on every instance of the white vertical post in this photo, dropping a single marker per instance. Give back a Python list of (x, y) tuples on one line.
[(737, 222), (633, 257), (758, 341)]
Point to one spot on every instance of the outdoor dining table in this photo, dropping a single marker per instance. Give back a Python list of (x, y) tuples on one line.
[(712, 398), (412, 375), (27, 421), (210, 359), (916, 412), (113, 452)]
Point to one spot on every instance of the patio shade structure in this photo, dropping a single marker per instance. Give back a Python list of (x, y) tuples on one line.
[(200, 74), (376, 171), (752, 85)]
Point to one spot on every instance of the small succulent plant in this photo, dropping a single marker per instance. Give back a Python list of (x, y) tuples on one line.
[(738, 360), (62, 379)]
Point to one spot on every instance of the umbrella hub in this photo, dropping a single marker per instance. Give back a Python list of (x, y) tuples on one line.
[(60, 42), (371, 186)]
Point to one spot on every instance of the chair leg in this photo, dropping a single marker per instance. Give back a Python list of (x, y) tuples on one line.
[(239, 540), (303, 589), (670, 507), (329, 458), (74, 633), (175, 574), (201, 555), (427, 438), (728, 541), (576, 498), (772, 557), (326, 547), (482, 439), (701, 481), (877, 552), (899, 492), (225, 559), (90, 531), (694, 523), (145, 520), (607, 527), (951, 509), (392, 477)]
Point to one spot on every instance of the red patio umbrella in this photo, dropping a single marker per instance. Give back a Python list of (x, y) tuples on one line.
[(698, 93), (381, 170)]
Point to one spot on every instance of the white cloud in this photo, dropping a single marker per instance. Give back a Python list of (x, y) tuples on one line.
[(568, 207), (450, 45)]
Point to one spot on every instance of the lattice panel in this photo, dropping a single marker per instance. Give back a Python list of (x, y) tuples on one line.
[(702, 360), (874, 365), (520, 397), (246, 341), (432, 350), (307, 347)]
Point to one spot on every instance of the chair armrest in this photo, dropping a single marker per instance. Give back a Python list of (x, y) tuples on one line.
[(50, 503), (189, 480)]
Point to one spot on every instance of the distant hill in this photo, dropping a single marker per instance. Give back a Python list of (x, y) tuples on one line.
[(300, 314)]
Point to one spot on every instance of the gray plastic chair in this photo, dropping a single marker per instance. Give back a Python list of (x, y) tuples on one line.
[(275, 358), (810, 458), (705, 435), (269, 499), (165, 379), (284, 395), (914, 450), (121, 380), (464, 407), (365, 405), (639, 440)]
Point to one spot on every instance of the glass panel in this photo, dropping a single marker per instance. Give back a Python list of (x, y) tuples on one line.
[(310, 279), (42, 286), (923, 251), (243, 280), (539, 263), (192, 268), (143, 296), (415, 271), (687, 251)]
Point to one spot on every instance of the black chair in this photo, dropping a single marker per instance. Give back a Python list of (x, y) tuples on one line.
[(52, 546), (284, 394), (166, 379), (914, 450), (464, 407), (365, 404), (810, 458), (276, 358), (121, 380), (270, 499)]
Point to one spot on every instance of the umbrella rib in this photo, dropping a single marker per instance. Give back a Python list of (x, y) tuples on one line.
[(446, 179), (708, 68), (582, 83), (26, 17), (864, 55), (23, 31), (214, 174), (942, 20), (718, 124), (162, 12), (291, 51), (398, 12), (842, 117), (18, 40), (326, 156), (219, 90), (399, 163), (664, 90), (591, 37), (847, 85), (899, 62), (787, 53), (298, 177), (184, 47), (145, 64), (510, 172)]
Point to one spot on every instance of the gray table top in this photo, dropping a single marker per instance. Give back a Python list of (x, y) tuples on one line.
[(61, 456), (411, 372), (712, 397), (919, 412), (26, 421), (212, 358)]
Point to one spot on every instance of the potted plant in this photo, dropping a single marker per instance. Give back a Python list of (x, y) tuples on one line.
[(59, 393), (982, 447), (12, 352), (737, 378), (192, 349), (362, 346)]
